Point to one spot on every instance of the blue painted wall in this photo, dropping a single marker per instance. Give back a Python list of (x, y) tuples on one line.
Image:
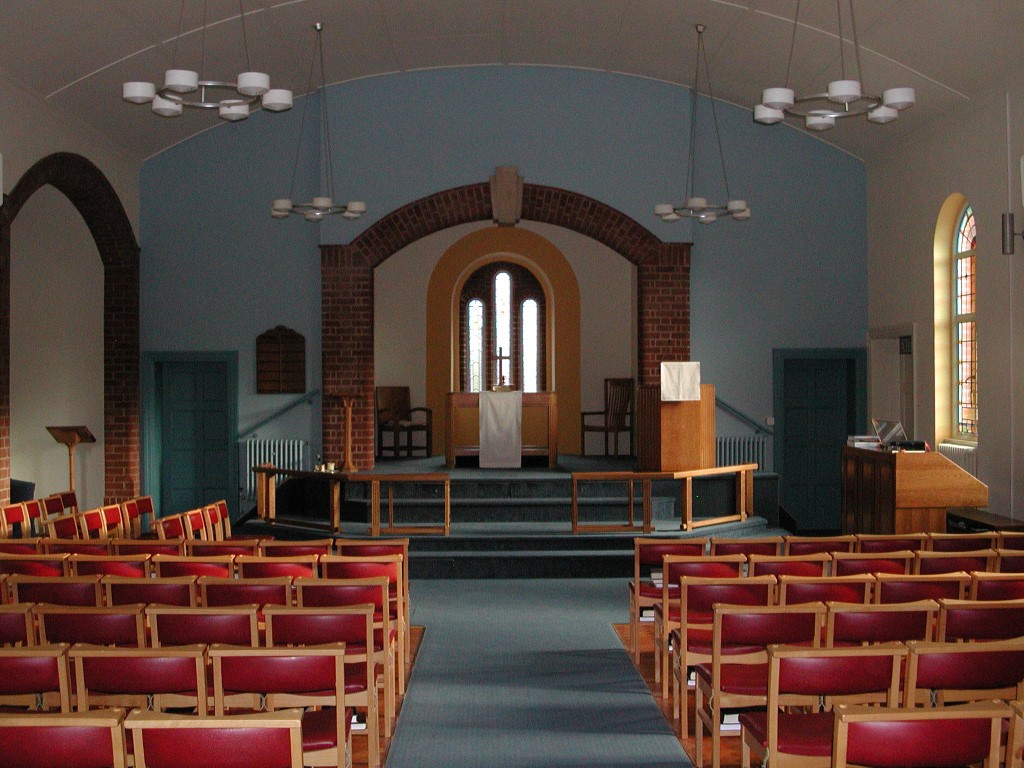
[(217, 270)]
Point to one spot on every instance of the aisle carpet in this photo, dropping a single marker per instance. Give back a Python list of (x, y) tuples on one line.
[(527, 674)]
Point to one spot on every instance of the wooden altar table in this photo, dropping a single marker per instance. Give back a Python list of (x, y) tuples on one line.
[(471, 401), (266, 490)]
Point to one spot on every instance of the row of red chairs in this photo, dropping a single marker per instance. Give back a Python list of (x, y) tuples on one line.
[(60, 516)]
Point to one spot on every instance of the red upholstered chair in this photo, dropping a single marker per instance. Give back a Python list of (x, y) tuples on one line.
[(59, 590), (876, 543), (263, 740), (374, 548), (813, 545), (35, 678), (943, 673), (121, 625), (204, 548), (194, 522), (257, 566), (29, 546), (1015, 740), (93, 524), (136, 566), (64, 527), (859, 623), (68, 500), (962, 542), (213, 565), (147, 514), (75, 546), (148, 678), (788, 565), (312, 677), (767, 545), (897, 588), (997, 586), (796, 590), (882, 737), (797, 727), (14, 519), (16, 625), (740, 679), (218, 520), (172, 590), (52, 507), (352, 625), (1010, 560), (171, 527), (1010, 540), (70, 740), (34, 565), (173, 625), (852, 563), (218, 591), (148, 546), (980, 620), (132, 518), (691, 642), (36, 514), (113, 520), (272, 548), (954, 561)]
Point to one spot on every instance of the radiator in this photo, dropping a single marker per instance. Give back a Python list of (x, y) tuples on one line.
[(286, 454), (750, 449), (965, 456)]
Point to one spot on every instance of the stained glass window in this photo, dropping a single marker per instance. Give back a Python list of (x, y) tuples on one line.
[(965, 338), (530, 351), (475, 361), (503, 329)]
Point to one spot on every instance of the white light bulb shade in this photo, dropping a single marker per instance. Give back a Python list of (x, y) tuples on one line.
[(166, 107), (696, 203), (883, 115), (313, 216), (181, 80), (356, 207), (670, 217), (844, 91), (282, 204), (323, 202), (663, 209), (233, 112), (742, 215), (279, 214), (820, 122), (736, 206), (899, 98), (777, 98), (277, 100), (138, 93), (253, 83), (708, 218), (768, 115)]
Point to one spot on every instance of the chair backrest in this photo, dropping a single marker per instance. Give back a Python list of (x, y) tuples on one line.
[(195, 523), (218, 591), (997, 586), (274, 548), (136, 566), (234, 625), (172, 590), (962, 542), (71, 740), (352, 625), (392, 403), (852, 563), (52, 507), (767, 545), (980, 620), (258, 566), (310, 593), (148, 546), (698, 596), (76, 546), (35, 510), (15, 514), (212, 565), (139, 677), (147, 513), (796, 590), (132, 518), (789, 565), (203, 548), (64, 527), (171, 527), (749, 630), (30, 546), (883, 737), (869, 543), (29, 675), (34, 565), (218, 520), (651, 552), (263, 740), (864, 672), (856, 623), (813, 545), (121, 625), (618, 401), (1010, 560), (92, 524), (113, 519), (899, 588), (720, 566), (69, 500), (956, 560), (16, 625), (952, 672), (59, 590)]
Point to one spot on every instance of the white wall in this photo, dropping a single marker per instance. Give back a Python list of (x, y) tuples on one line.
[(56, 345)]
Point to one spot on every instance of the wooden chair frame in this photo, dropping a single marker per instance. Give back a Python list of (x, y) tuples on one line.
[(184, 565), (929, 609), (928, 586), (881, 543), (394, 413), (777, 565), (17, 627), (927, 562), (86, 590), (986, 585), (216, 547), (155, 612), (986, 630), (886, 562), (616, 415), (279, 584), (35, 565), (109, 677), (808, 545), (1008, 683), (132, 614), (19, 739), (861, 584), (146, 588), (136, 566), (48, 685), (723, 545)]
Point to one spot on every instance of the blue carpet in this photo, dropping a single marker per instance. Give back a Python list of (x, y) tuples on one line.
[(527, 674)]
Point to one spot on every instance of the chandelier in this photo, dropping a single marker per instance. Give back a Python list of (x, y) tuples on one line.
[(844, 97), (323, 205), (190, 88), (698, 207)]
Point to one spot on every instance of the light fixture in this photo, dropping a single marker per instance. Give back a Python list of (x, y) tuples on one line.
[(698, 207), (189, 88), (322, 205), (843, 98)]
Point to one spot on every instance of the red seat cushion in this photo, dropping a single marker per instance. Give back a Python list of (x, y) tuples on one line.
[(319, 730), (799, 734)]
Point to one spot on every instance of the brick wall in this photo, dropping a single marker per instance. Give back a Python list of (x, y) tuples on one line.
[(663, 271)]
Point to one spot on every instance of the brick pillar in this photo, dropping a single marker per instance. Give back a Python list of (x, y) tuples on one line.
[(347, 344), (121, 377), (5, 351), (663, 288)]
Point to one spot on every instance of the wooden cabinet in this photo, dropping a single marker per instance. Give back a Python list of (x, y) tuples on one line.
[(886, 492)]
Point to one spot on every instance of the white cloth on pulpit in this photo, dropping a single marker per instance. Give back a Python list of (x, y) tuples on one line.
[(501, 430), (680, 381)]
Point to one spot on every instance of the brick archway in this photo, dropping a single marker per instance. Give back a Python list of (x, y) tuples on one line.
[(96, 200), (663, 287)]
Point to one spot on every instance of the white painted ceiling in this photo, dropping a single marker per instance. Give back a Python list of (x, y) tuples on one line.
[(77, 53)]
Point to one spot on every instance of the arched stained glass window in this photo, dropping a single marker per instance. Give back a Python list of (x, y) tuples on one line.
[(475, 361), (531, 333), (965, 329)]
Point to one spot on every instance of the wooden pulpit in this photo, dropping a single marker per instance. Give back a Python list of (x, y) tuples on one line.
[(675, 436)]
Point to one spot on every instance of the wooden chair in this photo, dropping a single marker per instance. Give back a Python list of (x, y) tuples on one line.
[(1015, 739), (795, 731), (35, 679), (113, 521), (1010, 540), (616, 417), (740, 678), (275, 548), (691, 642), (17, 627), (352, 625), (172, 625), (205, 548), (52, 507), (14, 519), (955, 560), (171, 590), (70, 740), (64, 527), (148, 546), (766, 546), (860, 623), (258, 566), (137, 566), (644, 592), (92, 524), (962, 542), (875, 543), (217, 591), (140, 516), (997, 586), (34, 565), (171, 527), (58, 590), (980, 620), (218, 520), (262, 740), (121, 625), (788, 565), (813, 545), (212, 565), (883, 737), (75, 546), (899, 588), (36, 514), (195, 524), (146, 678), (68, 500), (312, 677), (395, 415), (29, 546), (943, 673), (1011, 560), (852, 563)]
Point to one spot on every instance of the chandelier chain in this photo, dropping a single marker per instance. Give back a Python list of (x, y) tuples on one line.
[(245, 37), (703, 52), (792, 43)]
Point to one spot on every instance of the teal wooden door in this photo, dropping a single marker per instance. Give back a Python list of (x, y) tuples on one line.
[(195, 435)]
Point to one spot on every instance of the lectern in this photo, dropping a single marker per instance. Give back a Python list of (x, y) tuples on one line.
[(675, 436), (71, 436)]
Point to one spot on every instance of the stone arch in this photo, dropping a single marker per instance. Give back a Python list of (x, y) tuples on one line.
[(663, 288), (94, 197)]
